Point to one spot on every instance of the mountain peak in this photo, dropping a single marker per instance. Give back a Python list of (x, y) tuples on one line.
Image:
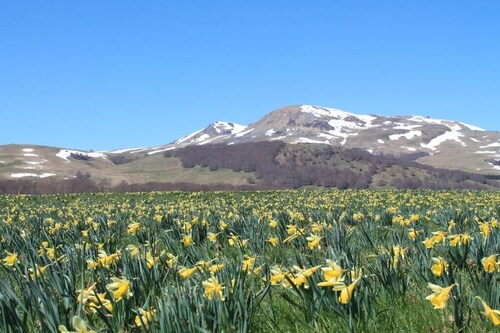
[(213, 131)]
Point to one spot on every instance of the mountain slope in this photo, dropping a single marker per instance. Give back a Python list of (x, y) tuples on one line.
[(433, 142), (447, 143)]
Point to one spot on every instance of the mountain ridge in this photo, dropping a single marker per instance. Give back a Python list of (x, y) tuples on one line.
[(437, 143)]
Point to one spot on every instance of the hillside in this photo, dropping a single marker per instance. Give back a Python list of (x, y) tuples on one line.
[(318, 146)]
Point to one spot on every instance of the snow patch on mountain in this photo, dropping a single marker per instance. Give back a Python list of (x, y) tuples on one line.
[(472, 127), (43, 175), (218, 129), (130, 150), (278, 138), (240, 134), (446, 136), (494, 144), (270, 132), (224, 126), (160, 150), (401, 126), (485, 152), (337, 114), (187, 137), (66, 153), (308, 140), (457, 127)]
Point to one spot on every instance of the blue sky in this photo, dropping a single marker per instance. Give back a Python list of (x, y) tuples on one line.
[(110, 74)]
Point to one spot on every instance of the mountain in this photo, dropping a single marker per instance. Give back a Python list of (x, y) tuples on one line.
[(430, 142), (445, 143)]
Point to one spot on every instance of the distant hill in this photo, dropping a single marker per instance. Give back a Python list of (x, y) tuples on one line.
[(290, 147)]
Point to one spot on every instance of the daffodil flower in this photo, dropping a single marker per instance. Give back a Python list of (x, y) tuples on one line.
[(313, 241), (185, 272), (492, 315), (213, 289), (248, 263), (346, 292), (120, 288), (331, 274), (133, 227), (277, 275), (39, 270), (439, 266), (489, 264), (10, 259), (440, 296), (273, 241), (78, 324), (144, 317)]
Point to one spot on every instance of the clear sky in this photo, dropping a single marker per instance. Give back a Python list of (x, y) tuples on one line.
[(109, 74)]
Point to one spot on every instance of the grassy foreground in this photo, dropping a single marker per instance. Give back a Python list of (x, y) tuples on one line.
[(281, 261)]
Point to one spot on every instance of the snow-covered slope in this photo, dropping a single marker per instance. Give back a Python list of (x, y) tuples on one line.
[(214, 131), (448, 144)]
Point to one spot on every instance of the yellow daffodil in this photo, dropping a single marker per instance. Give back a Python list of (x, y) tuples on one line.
[(185, 272), (215, 268), (440, 296), (39, 271), (78, 324), (346, 292), (438, 236), (133, 250), (439, 266), (454, 240), (151, 260), (187, 240), (98, 300), (233, 239), (429, 243), (492, 315), (273, 223), (144, 317), (484, 229), (248, 263), (106, 260), (133, 227), (212, 237), (331, 274), (412, 234), (213, 289), (398, 252), (291, 229), (273, 241), (120, 288), (465, 238), (10, 259), (302, 275), (489, 264), (277, 275), (91, 264), (171, 260), (314, 241)]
